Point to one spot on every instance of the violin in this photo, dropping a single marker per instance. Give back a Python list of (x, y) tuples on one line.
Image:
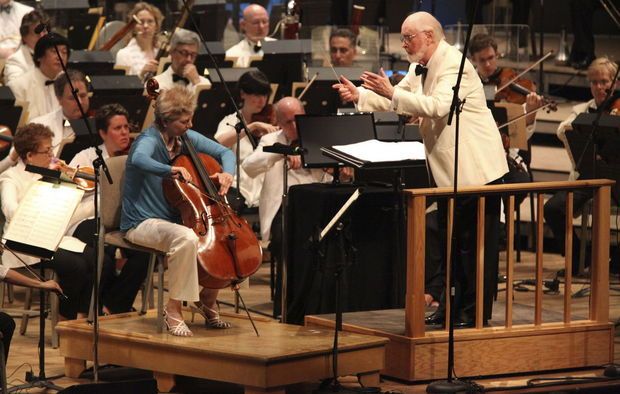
[(6, 138), (83, 177), (518, 88), (228, 250)]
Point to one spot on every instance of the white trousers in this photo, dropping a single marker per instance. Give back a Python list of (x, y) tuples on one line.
[(180, 242)]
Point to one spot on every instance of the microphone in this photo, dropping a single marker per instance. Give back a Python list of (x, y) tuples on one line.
[(40, 27), (283, 149)]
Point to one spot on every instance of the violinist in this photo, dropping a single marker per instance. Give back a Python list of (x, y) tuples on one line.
[(600, 74), (342, 48), (21, 61), (139, 55), (150, 221), (35, 86), (72, 263), (255, 27), (58, 120), (183, 52), (254, 90), (270, 164)]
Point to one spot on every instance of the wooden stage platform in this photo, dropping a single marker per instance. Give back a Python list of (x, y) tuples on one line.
[(283, 355)]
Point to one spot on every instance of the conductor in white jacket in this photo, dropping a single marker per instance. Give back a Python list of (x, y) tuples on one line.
[(426, 91)]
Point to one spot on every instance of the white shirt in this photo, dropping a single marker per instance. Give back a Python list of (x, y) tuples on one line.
[(244, 50), (61, 128), (86, 157), (250, 187), (18, 63), (134, 57), (165, 81), (271, 164), (10, 23), (31, 87)]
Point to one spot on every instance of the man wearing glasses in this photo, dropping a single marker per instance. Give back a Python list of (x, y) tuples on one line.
[(183, 52), (255, 28), (426, 92)]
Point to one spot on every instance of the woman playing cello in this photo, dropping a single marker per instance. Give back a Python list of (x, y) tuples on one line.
[(150, 221)]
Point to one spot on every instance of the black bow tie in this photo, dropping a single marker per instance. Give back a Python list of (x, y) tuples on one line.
[(176, 78), (257, 47), (420, 69), (6, 8), (49, 82)]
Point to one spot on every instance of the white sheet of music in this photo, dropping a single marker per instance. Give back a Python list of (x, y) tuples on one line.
[(43, 215), (379, 151)]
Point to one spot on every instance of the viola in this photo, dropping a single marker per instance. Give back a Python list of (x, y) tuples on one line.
[(6, 138), (228, 250)]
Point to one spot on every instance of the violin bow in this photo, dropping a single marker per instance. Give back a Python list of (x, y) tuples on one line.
[(542, 59)]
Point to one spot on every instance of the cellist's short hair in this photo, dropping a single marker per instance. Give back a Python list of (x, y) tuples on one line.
[(602, 64), (174, 103), (480, 42), (28, 137)]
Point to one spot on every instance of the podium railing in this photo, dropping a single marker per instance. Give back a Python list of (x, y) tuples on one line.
[(599, 271)]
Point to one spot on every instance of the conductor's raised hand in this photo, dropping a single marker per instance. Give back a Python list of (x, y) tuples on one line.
[(378, 83), (347, 91)]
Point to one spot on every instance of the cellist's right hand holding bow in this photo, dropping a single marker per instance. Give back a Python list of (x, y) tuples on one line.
[(181, 173), (347, 91)]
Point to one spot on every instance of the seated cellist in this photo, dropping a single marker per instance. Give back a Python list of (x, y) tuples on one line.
[(150, 221)]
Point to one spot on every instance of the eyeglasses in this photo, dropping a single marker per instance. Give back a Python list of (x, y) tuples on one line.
[(602, 82), (49, 151), (184, 53), (408, 37)]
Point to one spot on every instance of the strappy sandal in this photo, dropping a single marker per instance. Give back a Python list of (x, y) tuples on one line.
[(210, 322), (179, 329)]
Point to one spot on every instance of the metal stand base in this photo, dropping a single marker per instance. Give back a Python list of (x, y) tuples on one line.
[(36, 382), (448, 386)]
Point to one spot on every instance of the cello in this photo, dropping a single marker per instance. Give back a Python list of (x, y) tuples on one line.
[(228, 250)]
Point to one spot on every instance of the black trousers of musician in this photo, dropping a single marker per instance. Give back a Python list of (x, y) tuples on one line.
[(7, 327), (582, 17), (118, 289), (465, 247), (555, 217)]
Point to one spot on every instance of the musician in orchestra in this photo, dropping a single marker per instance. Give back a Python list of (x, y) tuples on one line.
[(254, 90), (36, 86), (342, 47), (600, 74), (7, 324), (74, 261), (426, 91), (11, 14), (139, 55), (183, 53), (255, 27), (21, 61), (270, 164), (150, 221)]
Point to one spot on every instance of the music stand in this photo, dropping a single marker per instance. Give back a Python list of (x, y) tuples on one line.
[(82, 139), (94, 63), (213, 103), (212, 18), (126, 90), (203, 60), (73, 14), (389, 126), (283, 62), (321, 98)]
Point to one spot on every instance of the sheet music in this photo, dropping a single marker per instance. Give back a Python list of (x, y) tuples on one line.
[(43, 215), (379, 151)]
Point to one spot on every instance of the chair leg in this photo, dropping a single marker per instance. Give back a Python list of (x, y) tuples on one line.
[(27, 307), (11, 292), (160, 294), (583, 242), (147, 288), (53, 297)]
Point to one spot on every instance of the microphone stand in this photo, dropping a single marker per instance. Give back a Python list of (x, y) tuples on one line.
[(453, 385), (98, 164)]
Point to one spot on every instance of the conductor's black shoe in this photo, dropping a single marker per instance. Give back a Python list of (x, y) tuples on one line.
[(464, 324), (435, 319)]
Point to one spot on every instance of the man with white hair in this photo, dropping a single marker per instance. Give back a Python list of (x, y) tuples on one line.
[(183, 53), (426, 91), (255, 27)]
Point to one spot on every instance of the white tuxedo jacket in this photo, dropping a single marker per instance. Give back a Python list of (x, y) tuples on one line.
[(481, 154)]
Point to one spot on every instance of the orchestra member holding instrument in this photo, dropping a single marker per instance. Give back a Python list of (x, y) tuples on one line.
[(255, 27), (11, 14), (36, 85), (139, 55), (21, 61), (426, 91), (342, 48), (254, 89), (150, 221), (183, 53), (58, 120), (72, 263), (600, 75), (270, 164)]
